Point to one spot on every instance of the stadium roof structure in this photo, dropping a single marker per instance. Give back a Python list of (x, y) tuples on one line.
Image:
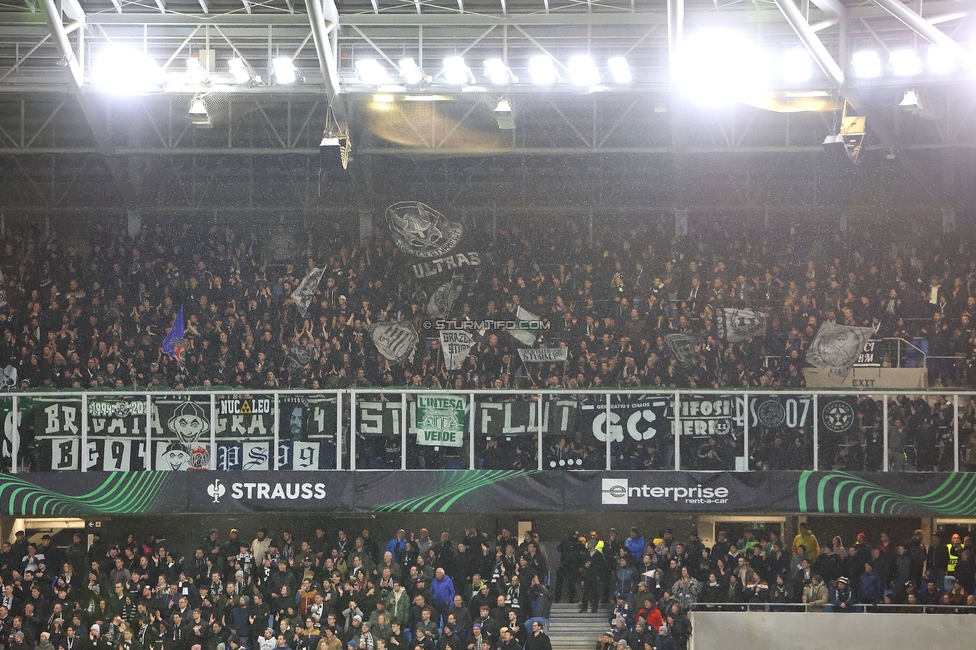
[(115, 81), (117, 78)]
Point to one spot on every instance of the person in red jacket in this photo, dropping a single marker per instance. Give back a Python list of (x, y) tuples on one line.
[(651, 615)]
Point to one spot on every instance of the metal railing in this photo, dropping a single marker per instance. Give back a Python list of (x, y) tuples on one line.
[(372, 428), (865, 608)]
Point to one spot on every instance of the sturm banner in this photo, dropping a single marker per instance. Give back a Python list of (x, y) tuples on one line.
[(481, 491), (544, 355)]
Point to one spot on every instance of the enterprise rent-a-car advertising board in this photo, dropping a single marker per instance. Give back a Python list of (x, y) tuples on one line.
[(462, 491)]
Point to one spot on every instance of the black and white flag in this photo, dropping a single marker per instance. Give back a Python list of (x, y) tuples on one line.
[(443, 299), (395, 340), (421, 230), (303, 294), (836, 347), (8, 378), (683, 347), (455, 344), (737, 325), (300, 355)]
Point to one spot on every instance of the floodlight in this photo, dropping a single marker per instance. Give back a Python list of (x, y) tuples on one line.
[(371, 72), (795, 66), (503, 114), (285, 71), (910, 100), (940, 60), (457, 72), (198, 113), (241, 73), (195, 70), (121, 71), (931, 106), (905, 63), (412, 73), (542, 70), (721, 67), (867, 64), (620, 70), (498, 73), (328, 142), (582, 71)]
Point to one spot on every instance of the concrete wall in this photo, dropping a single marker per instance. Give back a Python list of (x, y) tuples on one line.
[(801, 631)]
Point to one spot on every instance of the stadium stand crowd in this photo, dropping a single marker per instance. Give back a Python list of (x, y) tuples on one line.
[(93, 311), (333, 591)]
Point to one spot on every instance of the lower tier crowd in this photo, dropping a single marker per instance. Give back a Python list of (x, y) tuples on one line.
[(333, 591)]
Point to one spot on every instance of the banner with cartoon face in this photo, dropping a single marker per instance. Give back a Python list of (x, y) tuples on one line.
[(184, 442)]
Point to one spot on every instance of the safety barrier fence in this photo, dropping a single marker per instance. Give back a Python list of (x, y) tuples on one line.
[(384, 429)]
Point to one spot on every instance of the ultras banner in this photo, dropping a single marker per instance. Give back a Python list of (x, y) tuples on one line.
[(76, 493)]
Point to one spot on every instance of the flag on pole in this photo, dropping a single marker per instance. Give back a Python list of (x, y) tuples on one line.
[(455, 345), (527, 327), (738, 325), (173, 343), (303, 294)]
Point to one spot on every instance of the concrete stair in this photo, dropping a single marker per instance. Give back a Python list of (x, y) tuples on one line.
[(571, 630)]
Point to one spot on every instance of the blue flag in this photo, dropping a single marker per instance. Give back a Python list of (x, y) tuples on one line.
[(173, 343)]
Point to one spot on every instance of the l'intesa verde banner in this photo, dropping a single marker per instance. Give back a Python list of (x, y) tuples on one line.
[(76, 493)]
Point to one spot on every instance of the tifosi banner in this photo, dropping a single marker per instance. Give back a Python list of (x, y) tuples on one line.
[(515, 491)]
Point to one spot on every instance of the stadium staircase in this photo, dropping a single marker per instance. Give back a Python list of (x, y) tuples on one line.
[(571, 630)]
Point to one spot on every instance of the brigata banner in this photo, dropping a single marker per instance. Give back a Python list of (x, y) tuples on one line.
[(481, 491), (440, 420)]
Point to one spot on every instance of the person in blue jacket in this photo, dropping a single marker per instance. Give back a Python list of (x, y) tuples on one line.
[(635, 544), (442, 588), (870, 590)]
